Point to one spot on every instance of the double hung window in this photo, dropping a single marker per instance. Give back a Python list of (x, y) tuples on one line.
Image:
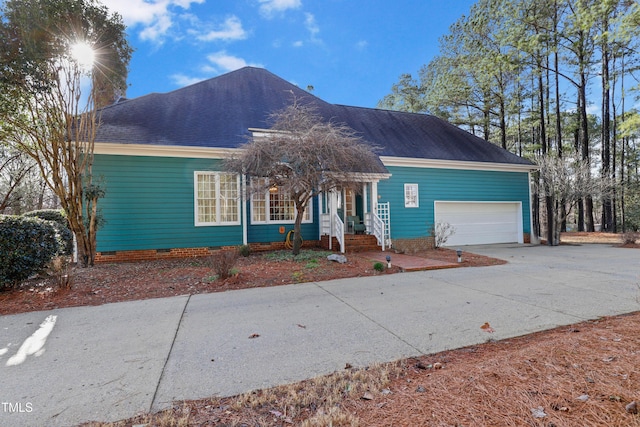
[(274, 206), (217, 198), (411, 196)]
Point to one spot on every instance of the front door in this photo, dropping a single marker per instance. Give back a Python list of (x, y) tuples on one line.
[(349, 203)]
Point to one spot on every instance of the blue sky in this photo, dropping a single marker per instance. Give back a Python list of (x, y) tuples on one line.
[(350, 51)]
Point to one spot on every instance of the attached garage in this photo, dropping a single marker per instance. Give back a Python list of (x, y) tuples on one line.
[(477, 223)]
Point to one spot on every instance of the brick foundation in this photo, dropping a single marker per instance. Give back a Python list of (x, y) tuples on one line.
[(407, 246), (411, 246), (156, 254)]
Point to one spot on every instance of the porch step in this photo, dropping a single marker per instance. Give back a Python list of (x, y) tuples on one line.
[(353, 243)]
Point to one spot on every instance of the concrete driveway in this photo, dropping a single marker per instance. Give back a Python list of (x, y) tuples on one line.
[(66, 366)]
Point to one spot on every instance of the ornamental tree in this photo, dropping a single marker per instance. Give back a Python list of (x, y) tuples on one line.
[(50, 52), (304, 155)]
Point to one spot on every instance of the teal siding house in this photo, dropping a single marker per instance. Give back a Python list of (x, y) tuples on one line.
[(167, 195)]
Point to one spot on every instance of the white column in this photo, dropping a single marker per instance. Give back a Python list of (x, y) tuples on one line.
[(332, 210), (365, 201), (243, 206), (320, 196), (374, 197), (533, 238)]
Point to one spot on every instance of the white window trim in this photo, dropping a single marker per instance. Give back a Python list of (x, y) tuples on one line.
[(218, 205), (407, 202), (267, 210)]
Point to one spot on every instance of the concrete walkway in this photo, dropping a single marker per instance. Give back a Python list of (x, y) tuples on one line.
[(66, 366)]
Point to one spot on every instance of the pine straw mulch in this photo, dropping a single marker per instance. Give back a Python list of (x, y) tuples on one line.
[(581, 375), (117, 282)]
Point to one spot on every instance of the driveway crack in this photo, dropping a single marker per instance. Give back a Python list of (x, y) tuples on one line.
[(166, 360), (372, 320)]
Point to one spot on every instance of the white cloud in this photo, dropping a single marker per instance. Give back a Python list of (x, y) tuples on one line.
[(223, 62), (184, 80), (362, 45), (231, 29), (218, 63), (269, 7), (157, 30), (155, 17), (311, 26), (298, 43)]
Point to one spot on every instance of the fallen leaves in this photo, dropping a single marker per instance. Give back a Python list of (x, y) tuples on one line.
[(422, 366), (542, 373), (367, 396), (252, 336), (538, 412), (487, 328), (279, 415)]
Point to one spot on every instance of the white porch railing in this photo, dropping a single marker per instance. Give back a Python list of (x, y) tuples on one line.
[(338, 231), (378, 229), (325, 224), (381, 225)]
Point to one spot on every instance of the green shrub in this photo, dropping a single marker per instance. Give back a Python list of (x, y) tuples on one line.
[(56, 215), (223, 263), (304, 255), (244, 250), (378, 266), (63, 231), (27, 245)]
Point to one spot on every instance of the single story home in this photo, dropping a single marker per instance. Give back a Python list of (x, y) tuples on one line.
[(160, 159)]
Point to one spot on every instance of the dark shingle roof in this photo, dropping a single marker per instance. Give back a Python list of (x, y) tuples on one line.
[(219, 112)]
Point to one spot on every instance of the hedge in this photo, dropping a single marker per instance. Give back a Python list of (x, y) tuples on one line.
[(59, 218), (27, 245)]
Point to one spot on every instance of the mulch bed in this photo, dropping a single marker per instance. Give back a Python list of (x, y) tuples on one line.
[(117, 282)]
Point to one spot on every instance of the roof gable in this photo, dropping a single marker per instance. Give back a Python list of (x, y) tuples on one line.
[(219, 112)]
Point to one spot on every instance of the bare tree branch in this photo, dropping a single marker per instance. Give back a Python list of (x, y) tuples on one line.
[(567, 180), (304, 155)]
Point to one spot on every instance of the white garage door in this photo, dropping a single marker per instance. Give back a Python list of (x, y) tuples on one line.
[(478, 223)]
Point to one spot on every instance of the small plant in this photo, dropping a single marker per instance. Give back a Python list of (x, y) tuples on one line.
[(312, 264), (60, 267), (630, 237), (378, 266), (441, 232), (298, 276), (223, 263), (244, 250), (303, 256)]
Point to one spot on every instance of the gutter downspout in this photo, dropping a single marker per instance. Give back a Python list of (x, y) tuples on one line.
[(243, 203), (533, 239)]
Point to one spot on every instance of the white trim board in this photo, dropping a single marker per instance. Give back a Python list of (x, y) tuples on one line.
[(161, 150), (454, 164)]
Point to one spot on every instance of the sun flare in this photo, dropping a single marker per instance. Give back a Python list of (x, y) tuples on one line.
[(83, 54)]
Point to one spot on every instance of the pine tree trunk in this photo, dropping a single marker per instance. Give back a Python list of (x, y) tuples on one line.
[(607, 208)]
